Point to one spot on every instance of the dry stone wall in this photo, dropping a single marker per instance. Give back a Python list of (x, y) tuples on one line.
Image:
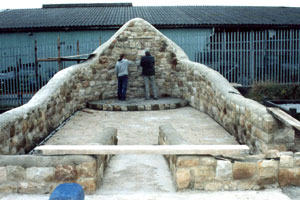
[(36, 174), (205, 89), (247, 120), (204, 172)]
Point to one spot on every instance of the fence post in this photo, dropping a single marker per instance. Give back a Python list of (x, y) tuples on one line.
[(58, 50), (36, 63), (251, 57), (78, 50)]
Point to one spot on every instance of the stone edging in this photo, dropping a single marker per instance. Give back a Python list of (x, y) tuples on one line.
[(137, 104)]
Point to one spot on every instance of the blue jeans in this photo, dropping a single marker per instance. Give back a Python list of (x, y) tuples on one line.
[(122, 87)]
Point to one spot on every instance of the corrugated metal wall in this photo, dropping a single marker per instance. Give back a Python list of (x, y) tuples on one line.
[(242, 57)]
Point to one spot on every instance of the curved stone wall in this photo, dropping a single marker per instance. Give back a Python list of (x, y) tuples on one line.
[(205, 89)]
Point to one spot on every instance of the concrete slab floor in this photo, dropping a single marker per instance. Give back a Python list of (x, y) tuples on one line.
[(141, 127)]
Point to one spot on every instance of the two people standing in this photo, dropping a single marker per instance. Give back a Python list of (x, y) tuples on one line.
[(147, 63)]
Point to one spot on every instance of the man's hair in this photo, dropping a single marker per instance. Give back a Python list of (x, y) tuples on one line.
[(147, 52), (121, 56)]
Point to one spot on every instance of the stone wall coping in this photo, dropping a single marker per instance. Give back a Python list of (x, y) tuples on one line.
[(28, 161), (144, 149), (171, 135)]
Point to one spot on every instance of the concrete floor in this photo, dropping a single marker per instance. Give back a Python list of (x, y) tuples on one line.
[(147, 176), (141, 127)]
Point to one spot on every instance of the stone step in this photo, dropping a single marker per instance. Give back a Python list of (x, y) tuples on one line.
[(137, 104)]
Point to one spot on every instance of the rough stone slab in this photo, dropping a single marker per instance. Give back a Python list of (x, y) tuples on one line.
[(144, 149), (137, 104), (285, 118)]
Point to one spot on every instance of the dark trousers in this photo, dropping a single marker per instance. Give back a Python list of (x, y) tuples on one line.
[(122, 87)]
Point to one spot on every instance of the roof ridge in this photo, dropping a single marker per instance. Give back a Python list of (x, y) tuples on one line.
[(80, 5)]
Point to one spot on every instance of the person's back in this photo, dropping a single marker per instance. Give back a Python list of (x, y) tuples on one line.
[(148, 72), (122, 67), (147, 63)]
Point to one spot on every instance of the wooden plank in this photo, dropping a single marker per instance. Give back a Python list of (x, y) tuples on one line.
[(62, 59), (284, 118), (143, 149)]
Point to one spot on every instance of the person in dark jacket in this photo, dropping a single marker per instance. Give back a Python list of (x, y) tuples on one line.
[(148, 72), (121, 69)]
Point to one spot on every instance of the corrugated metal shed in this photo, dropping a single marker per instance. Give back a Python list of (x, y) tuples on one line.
[(105, 17)]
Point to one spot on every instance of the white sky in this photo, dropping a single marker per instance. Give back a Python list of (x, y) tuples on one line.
[(15, 4)]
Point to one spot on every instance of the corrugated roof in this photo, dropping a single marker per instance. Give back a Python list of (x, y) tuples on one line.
[(98, 17)]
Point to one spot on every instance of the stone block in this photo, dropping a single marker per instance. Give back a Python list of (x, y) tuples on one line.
[(15, 173), (124, 108), (266, 137), (207, 161), (246, 185), (273, 154), (8, 187), (286, 161), (89, 184), (183, 178), (285, 135), (87, 169), (203, 173), (213, 186), (33, 187), (267, 172), (187, 161), (65, 173), (289, 176), (297, 161), (40, 174), (244, 170), (223, 170), (269, 123), (3, 175)]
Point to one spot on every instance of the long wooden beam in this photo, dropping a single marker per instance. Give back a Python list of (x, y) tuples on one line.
[(143, 149), (285, 118)]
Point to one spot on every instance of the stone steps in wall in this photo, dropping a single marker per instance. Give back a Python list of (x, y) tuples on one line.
[(137, 104)]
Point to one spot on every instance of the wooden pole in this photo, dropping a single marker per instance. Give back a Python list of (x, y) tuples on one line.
[(58, 50), (100, 42), (36, 63)]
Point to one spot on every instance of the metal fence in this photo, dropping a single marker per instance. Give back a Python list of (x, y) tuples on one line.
[(255, 56), (241, 57), (20, 79)]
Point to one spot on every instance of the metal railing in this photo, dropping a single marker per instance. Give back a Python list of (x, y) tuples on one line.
[(255, 56), (242, 57), (22, 72)]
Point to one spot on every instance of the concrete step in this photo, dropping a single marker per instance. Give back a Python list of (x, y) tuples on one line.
[(137, 104)]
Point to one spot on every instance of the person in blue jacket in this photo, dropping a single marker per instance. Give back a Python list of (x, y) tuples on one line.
[(148, 72)]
